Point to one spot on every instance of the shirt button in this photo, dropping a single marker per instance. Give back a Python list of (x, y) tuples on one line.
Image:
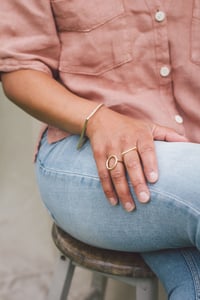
[(160, 16), (164, 71), (178, 119)]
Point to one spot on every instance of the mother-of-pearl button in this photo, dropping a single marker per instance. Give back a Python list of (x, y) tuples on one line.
[(178, 119), (160, 16), (164, 71)]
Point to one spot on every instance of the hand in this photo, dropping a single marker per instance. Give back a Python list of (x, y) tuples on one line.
[(111, 133)]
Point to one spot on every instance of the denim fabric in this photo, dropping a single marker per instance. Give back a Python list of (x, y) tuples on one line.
[(72, 192), (178, 270)]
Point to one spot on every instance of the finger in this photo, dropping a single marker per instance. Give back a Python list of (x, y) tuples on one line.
[(120, 183), (107, 185), (104, 176), (146, 151), (134, 169), (167, 134), (114, 184)]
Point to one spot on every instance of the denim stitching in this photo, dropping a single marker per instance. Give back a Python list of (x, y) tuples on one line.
[(174, 198), (60, 172), (190, 261)]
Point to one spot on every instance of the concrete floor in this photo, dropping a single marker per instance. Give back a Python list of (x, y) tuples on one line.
[(27, 255)]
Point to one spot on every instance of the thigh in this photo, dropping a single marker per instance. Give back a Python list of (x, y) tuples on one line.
[(72, 192)]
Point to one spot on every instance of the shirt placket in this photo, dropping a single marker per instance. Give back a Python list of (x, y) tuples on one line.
[(158, 10)]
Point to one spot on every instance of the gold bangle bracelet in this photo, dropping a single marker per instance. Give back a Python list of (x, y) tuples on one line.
[(83, 137)]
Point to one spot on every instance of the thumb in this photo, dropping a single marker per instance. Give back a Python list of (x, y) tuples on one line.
[(162, 133)]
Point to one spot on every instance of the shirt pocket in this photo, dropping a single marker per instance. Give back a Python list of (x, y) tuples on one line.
[(94, 35), (195, 33)]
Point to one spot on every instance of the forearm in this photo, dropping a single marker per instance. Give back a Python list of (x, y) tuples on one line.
[(47, 100)]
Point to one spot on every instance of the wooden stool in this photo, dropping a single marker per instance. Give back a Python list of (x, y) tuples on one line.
[(124, 266)]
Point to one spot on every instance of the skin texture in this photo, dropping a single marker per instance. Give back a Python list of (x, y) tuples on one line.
[(109, 132)]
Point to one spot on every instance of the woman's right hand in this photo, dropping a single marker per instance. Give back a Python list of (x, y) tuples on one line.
[(111, 133)]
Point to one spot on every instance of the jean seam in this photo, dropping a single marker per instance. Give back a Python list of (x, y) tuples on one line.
[(190, 262), (61, 172), (174, 198)]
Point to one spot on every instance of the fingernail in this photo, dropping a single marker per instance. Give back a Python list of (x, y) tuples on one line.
[(129, 206), (113, 201), (153, 176), (144, 197)]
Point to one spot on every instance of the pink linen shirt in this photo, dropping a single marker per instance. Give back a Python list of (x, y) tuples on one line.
[(139, 57)]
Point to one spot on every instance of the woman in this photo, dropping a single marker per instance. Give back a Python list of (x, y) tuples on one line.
[(123, 75)]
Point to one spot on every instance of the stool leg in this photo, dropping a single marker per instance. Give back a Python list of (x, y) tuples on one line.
[(147, 289), (62, 279), (98, 287)]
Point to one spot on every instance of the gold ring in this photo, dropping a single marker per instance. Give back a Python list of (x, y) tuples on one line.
[(110, 166), (131, 149)]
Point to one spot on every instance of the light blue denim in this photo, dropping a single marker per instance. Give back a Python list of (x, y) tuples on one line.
[(72, 192)]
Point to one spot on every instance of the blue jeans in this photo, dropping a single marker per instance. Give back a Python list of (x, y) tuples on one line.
[(166, 231)]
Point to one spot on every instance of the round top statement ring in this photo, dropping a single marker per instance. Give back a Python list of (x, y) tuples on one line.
[(112, 162)]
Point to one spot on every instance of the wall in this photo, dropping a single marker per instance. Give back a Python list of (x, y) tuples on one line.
[(26, 252)]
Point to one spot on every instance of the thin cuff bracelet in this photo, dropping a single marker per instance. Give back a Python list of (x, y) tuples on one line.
[(83, 137)]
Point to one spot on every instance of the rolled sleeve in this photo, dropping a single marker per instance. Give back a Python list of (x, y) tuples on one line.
[(28, 36)]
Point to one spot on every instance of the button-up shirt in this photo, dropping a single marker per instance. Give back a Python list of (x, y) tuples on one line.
[(139, 57)]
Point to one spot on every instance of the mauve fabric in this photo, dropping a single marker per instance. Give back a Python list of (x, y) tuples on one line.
[(112, 52)]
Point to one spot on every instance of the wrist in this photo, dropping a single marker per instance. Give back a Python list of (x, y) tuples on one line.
[(96, 121), (83, 135)]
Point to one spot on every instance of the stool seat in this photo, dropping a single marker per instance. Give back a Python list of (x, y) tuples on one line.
[(107, 261), (110, 263)]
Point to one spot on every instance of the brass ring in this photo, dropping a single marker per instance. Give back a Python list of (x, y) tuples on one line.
[(116, 160), (126, 151)]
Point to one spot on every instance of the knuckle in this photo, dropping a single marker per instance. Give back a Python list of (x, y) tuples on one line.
[(138, 185), (124, 195), (109, 193), (98, 152), (117, 176), (124, 140), (146, 149), (132, 164), (104, 176)]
